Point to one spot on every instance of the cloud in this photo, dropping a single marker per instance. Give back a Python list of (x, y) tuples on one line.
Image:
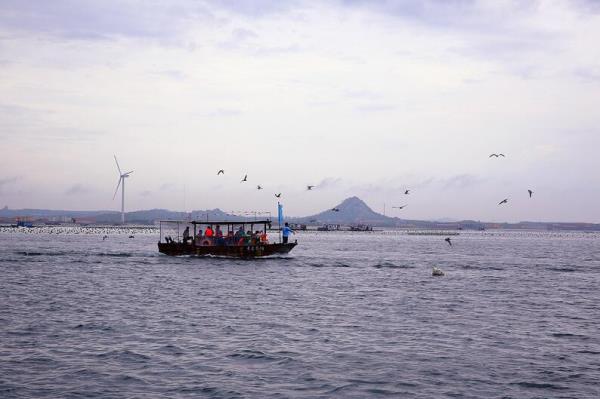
[(591, 74), (6, 182), (77, 189), (224, 112), (376, 108), (329, 182), (101, 20), (461, 181)]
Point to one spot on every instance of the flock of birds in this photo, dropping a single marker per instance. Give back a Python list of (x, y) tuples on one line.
[(399, 207), (259, 187)]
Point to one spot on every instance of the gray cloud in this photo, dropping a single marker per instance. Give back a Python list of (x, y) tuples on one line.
[(461, 181), (588, 73), (329, 182), (6, 182), (100, 20), (77, 189)]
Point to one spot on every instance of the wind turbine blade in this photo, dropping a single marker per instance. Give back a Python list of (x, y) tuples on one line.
[(127, 173), (117, 189), (118, 167)]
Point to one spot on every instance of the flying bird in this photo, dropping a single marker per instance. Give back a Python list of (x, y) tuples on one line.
[(530, 193), (220, 172), (335, 210), (244, 179), (407, 192), (278, 195), (496, 155), (259, 187), (504, 201), (399, 207), (447, 239), (309, 187)]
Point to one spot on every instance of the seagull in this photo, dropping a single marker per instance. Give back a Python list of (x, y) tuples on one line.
[(245, 178), (278, 195), (530, 193), (496, 155), (220, 172), (335, 210), (504, 201), (399, 207), (437, 272), (406, 192), (447, 239), (309, 188), (259, 187)]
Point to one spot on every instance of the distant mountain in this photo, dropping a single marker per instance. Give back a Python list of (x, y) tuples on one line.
[(352, 210), (45, 213)]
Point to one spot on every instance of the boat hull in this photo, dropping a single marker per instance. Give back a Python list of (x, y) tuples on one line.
[(231, 251)]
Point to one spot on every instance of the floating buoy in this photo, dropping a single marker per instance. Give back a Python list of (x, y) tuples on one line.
[(437, 272)]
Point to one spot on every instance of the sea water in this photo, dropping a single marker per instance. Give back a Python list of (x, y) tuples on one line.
[(349, 315)]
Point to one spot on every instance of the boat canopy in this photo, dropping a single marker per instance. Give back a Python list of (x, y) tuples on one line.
[(223, 223)]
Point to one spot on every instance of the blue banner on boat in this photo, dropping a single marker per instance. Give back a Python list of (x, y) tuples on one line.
[(280, 213)]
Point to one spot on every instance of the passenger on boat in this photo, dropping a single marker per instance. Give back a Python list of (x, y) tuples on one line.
[(186, 234), (229, 240), (219, 240), (263, 237), (209, 232), (286, 233), (240, 233)]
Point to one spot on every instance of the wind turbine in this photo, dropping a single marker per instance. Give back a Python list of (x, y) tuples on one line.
[(121, 183)]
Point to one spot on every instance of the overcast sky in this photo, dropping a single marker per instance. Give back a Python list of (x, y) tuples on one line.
[(364, 98)]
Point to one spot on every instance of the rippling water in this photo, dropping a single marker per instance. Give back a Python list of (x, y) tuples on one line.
[(352, 315)]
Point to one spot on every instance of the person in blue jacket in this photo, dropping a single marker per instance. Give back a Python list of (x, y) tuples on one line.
[(286, 233)]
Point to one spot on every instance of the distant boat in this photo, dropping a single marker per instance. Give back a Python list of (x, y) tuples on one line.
[(361, 227), (329, 227), (174, 241)]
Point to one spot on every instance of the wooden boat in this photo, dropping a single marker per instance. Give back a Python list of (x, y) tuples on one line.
[(175, 241)]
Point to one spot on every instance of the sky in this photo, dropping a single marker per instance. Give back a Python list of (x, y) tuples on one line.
[(359, 98)]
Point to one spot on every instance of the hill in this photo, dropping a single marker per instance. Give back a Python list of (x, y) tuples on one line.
[(352, 210)]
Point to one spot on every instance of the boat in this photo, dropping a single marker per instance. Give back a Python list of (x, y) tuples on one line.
[(329, 227), (175, 241), (361, 227)]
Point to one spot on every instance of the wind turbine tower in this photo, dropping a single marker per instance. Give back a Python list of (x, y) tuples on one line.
[(122, 177)]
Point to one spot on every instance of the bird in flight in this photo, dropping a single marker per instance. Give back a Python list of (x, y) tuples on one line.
[(244, 179), (309, 187), (220, 172), (530, 193), (259, 187), (407, 192), (399, 207), (496, 155), (504, 201), (278, 195), (335, 210), (447, 239)]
